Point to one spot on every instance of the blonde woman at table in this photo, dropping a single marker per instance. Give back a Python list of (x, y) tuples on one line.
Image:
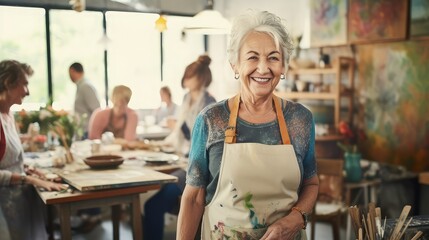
[(120, 119), (21, 207), (252, 169), (196, 79)]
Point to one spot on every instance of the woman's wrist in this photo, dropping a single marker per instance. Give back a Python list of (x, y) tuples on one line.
[(23, 179)]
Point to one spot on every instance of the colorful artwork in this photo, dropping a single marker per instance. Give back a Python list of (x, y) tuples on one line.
[(378, 20), (419, 25), (328, 22), (395, 92)]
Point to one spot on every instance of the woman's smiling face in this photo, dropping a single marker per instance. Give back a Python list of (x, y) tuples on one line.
[(259, 65)]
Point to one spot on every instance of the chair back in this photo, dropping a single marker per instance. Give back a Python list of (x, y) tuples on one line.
[(331, 178)]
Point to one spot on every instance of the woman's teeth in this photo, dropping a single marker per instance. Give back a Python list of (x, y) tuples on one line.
[(262, 79)]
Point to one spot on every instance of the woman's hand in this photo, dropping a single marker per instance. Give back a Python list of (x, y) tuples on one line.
[(34, 172), (285, 228), (47, 185)]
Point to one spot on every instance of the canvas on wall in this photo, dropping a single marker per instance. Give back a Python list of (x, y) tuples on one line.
[(394, 92), (328, 22), (381, 20), (419, 22)]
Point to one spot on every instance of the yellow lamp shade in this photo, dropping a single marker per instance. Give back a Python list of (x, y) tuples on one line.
[(161, 23)]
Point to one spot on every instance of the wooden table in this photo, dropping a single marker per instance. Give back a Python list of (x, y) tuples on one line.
[(120, 191)]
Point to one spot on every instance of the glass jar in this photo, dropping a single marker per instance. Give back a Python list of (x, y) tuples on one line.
[(352, 167)]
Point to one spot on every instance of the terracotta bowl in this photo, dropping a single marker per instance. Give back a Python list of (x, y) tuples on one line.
[(104, 161)]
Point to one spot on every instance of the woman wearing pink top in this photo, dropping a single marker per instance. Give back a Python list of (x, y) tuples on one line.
[(120, 119)]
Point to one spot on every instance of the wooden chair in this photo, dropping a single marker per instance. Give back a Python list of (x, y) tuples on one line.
[(329, 205)]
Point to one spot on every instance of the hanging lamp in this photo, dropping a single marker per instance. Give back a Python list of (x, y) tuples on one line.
[(78, 5), (208, 22), (161, 23)]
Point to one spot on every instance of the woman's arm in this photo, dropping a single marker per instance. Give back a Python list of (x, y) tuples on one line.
[(97, 123), (191, 210), (130, 128)]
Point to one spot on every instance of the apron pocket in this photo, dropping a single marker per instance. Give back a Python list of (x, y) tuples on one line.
[(237, 233)]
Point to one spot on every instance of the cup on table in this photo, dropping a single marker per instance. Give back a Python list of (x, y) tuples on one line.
[(96, 146)]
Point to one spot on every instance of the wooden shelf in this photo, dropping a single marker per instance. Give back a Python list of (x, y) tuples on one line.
[(307, 95), (343, 64), (333, 137), (313, 71)]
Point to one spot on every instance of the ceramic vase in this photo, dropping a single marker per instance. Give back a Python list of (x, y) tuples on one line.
[(352, 167)]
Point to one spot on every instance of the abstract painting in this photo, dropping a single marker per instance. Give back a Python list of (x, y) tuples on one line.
[(394, 93), (419, 24), (378, 20), (328, 22)]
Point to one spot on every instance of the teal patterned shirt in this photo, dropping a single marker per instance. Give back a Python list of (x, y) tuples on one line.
[(208, 141)]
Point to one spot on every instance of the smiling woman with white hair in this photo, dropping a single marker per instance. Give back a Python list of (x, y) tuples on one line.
[(252, 169)]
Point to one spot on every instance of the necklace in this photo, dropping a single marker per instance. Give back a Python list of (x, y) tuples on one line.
[(256, 115)]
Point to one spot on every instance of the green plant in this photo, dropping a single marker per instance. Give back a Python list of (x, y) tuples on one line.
[(58, 122)]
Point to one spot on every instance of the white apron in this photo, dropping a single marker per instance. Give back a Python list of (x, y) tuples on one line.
[(22, 210), (258, 184)]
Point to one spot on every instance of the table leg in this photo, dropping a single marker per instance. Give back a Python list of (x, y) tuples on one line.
[(365, 195), (136, 217), (50, 221), (64, 214), (116, 215), (349, 228)]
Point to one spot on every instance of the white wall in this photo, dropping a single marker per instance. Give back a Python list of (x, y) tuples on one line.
[(296, 13)]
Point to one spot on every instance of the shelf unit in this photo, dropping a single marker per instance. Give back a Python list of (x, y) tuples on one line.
[(341, 65)]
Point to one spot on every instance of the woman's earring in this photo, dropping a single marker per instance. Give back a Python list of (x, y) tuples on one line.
[(282, 76), (236, 76)]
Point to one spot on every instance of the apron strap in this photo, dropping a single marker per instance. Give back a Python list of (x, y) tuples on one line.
[(281, 120), (231, 133)]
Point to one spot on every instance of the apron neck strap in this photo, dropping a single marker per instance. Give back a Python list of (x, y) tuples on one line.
[(281, 120), (231, 130), (231, 133)]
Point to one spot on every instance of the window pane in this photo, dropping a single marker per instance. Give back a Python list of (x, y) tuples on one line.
[(22, 38), (134, 56), (179, 51), (75, 37)]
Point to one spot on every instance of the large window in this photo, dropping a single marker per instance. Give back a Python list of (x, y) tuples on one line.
[(75, 38), (180, 50), (134, 56), (22, 38), (135, 53)]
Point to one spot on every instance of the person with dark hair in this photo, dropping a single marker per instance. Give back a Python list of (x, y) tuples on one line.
[(196, 79), (252, 168), (86, 99), (20, 207)]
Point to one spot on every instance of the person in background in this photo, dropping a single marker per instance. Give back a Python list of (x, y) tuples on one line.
[(252, 169), (120, 119), (196, 79), (20, 207), (167, 109), (86, 99)]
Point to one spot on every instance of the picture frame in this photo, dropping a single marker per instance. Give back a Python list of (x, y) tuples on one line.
[(328, 23), (377, 21), (419, 19)]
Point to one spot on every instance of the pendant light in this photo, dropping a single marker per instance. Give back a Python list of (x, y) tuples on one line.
[(104, 41), (208, 22), (161, 23), (78, 5)]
